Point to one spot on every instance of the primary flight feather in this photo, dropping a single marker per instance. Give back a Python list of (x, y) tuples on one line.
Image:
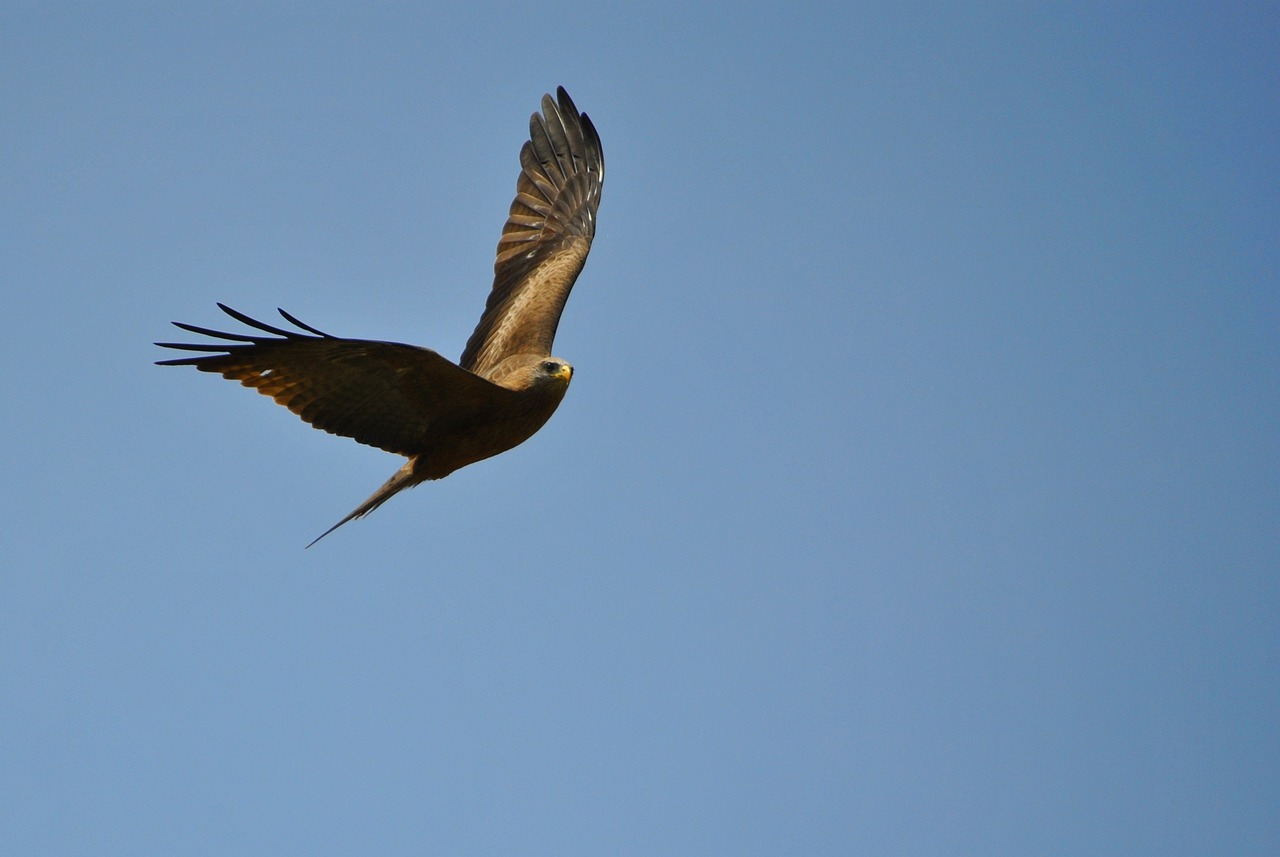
[(412, 401)]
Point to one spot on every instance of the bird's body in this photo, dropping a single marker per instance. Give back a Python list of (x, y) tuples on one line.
[(412, 401)]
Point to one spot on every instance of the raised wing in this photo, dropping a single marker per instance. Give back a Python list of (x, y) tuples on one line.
[(383, 394), (546, 238)]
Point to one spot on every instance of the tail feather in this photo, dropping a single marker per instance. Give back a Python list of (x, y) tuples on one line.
[(402, 479)]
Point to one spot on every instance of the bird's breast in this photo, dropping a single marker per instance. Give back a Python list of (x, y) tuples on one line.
[(486, 434)]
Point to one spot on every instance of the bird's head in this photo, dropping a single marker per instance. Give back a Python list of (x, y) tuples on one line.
[(531, 372), (555, 371)]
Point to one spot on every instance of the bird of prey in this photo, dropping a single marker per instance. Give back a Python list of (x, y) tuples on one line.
[(411, 401)]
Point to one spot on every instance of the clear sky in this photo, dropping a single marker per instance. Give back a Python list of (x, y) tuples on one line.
[(918, 491)]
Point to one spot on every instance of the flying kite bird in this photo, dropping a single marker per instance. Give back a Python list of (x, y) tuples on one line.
[(412, 401)]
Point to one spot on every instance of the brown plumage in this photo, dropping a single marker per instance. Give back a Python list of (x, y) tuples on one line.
[(413, 402)]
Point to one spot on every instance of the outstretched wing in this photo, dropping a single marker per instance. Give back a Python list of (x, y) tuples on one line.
[(383, 394), (546, 238)]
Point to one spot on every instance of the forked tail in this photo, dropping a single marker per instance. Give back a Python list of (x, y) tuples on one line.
[(402, 479)]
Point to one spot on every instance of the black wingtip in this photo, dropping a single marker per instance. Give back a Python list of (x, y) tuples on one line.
[(292, 319), (241, 337), (254, 323)]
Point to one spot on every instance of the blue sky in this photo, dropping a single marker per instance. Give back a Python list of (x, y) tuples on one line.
[(918, 490)]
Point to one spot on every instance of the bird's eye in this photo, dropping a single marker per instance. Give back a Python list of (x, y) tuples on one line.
[(550, 366)]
